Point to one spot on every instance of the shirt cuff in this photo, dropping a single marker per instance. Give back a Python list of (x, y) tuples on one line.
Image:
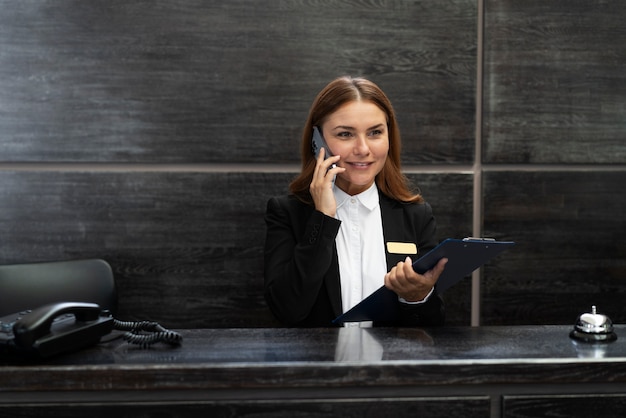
[(418, 302)]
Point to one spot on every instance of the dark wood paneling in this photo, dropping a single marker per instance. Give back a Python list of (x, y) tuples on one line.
[(450, 196), (570, 252), (214, 81), (565, 406), (471, 407), (186, 247), (554, 81)]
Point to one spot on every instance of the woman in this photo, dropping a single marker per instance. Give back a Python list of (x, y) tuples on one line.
[(350, 223)]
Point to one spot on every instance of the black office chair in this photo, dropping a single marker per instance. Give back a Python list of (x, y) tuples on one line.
[(28, 286)]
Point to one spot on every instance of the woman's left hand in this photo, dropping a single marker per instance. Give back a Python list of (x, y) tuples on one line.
[(408, 284)]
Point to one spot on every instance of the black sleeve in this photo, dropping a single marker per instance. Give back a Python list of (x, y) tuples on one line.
[(427, 314), (299, 247)]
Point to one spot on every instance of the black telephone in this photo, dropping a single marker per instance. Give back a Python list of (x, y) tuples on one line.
[(55, 328)]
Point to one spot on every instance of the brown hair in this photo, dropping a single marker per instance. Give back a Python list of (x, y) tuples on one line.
[(390, 181)]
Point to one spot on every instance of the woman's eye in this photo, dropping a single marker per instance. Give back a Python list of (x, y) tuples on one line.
[(344, 134), (376, 132)]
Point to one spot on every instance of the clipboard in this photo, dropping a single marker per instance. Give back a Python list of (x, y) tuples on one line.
[(464, 256)]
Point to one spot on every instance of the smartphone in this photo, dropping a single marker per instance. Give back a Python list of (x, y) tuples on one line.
[(318, 143)]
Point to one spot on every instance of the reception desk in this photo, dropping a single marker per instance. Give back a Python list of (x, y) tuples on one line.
[(521, 371)]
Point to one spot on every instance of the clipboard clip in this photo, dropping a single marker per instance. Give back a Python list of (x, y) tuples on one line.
[(479, 239)]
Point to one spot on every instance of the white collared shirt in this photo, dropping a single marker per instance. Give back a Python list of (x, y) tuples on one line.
[(360, 245)]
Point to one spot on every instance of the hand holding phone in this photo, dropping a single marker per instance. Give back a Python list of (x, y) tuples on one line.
[(321, 189)]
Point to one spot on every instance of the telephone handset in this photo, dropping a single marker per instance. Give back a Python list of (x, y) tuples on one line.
[(55, 328), (317, 143)]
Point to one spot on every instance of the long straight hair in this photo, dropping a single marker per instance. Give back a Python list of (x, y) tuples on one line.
[(390, 181)]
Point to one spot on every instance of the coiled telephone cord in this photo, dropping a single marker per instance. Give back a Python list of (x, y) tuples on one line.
[(146, 333)]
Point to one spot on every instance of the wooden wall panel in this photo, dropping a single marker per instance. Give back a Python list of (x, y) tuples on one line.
[(186, 247), (450, 196), (555, 83), (570, 252), (466, 406), (580, 405), (214, 81), (148, 88)]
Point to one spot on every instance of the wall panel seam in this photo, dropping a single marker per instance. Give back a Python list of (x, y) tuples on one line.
[(477, 169)]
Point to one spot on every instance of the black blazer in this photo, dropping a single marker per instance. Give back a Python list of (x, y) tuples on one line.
[(302, 285)]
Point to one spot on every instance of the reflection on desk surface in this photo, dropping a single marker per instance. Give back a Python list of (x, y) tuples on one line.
[(350, 345)]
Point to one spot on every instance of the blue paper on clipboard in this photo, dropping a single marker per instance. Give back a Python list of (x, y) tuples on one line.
[(464, 256)]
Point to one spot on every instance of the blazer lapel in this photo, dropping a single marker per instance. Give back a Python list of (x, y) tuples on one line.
[(393, 228)]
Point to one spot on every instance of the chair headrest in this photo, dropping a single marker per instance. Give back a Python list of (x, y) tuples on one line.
[(28, 286)]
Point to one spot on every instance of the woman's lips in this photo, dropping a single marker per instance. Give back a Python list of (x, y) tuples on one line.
[(360, 165)]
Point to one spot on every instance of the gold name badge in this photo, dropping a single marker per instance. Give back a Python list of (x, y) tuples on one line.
[(401, 248)]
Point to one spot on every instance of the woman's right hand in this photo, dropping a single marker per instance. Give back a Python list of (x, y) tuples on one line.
[(321, 187)]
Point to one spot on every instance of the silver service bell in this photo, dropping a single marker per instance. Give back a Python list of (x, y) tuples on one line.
[(593, 327)]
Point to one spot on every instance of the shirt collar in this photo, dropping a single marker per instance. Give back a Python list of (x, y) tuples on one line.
[(368, 198)]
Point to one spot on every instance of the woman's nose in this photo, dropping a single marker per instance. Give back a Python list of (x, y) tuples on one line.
[(361, 146)]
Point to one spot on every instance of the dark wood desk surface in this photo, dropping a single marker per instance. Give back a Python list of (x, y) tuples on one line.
[(489, 366)]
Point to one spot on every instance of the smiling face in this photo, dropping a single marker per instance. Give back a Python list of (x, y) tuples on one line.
[(358, 133)]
